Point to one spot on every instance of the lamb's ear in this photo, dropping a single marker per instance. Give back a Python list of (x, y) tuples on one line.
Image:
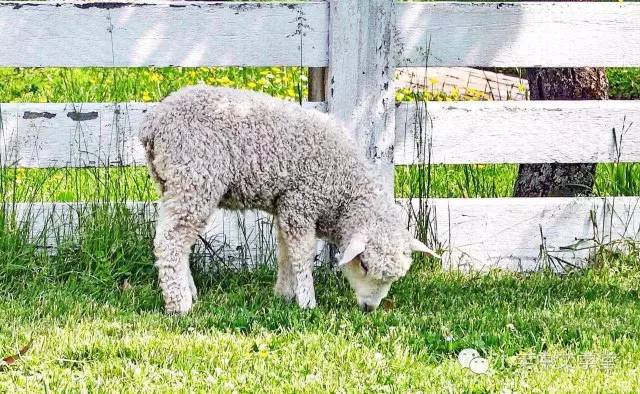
[(355, 246), (418, 246)]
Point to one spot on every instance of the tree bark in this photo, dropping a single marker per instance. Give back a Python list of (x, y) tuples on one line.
[(557, 179)]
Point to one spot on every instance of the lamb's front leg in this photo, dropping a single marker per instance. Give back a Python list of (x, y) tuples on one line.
[(286, 281), (300, 252)]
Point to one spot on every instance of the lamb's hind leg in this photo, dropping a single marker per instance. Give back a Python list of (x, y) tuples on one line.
[(181, 219)]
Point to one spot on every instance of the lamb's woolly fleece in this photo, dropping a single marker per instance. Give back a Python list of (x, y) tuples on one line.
[(216, 147)]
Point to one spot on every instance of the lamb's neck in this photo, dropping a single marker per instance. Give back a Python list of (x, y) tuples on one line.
[(364, 199), (361, 213)]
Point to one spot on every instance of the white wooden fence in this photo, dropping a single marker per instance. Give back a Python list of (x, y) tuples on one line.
[(360, 44)]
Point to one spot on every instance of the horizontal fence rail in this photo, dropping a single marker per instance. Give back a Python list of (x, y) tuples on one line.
[(164, 33), (528, 233), (93, 134), (518, 132), (48, 135), (477, 234), (524, 34)]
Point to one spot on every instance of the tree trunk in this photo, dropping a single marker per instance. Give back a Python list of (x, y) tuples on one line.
[(556, 179)]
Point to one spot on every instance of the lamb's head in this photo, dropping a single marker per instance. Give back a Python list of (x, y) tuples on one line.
[(373, 260)]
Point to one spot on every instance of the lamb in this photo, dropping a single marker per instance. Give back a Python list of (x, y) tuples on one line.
[(211, 148)]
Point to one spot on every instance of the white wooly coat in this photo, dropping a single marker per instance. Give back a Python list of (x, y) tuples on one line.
[(215, 147)]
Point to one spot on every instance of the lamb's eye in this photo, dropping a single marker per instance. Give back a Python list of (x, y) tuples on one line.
[(364, 267)]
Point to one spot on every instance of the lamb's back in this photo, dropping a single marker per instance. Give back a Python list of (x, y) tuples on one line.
[(264, 145)]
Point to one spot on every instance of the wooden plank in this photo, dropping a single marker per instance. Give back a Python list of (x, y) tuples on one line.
[(162, 33), (97, 134), (229, 241), (40, 135), (518, 132), (233, 238), (360, 81), (527, 233), (475, 234), (71, 135), (525, 34)]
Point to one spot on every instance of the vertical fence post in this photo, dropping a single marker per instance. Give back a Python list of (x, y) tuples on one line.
[(316, 83), (359, 80)]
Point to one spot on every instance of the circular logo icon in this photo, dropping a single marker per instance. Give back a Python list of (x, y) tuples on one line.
[(465, 357)]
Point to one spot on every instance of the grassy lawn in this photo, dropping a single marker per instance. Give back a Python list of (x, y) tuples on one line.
[(540, 333)]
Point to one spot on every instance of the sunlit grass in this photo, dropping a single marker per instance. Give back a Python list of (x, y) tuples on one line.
[(96, 84), (76, 184)]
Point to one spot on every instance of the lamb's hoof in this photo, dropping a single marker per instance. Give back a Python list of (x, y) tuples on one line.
[(178, 302), (178, 307), (307, 304), (287, 294), (194, 290)]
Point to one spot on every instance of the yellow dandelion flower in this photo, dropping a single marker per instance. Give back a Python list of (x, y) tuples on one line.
[(146, 96)]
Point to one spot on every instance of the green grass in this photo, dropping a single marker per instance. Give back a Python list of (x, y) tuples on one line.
[(452, 181), (624, 83), (76, 184), (92, 334), (134, 184), (497, 180), (97, 84)]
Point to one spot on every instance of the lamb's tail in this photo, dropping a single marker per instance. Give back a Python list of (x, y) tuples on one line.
[(147, 136)]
